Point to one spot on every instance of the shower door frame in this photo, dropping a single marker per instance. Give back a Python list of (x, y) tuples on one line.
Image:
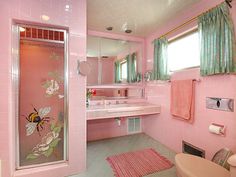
[(16, 82)]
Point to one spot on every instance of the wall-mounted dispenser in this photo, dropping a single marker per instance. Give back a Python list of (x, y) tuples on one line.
[(222, 104), (217, 129)]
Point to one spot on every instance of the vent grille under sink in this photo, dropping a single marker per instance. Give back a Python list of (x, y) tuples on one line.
[(134, 125)]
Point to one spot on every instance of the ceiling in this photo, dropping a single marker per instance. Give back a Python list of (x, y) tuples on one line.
[(141, 16)]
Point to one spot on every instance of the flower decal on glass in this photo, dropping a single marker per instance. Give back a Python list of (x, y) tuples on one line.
[(51, 87), (60, 96), (48, 144)]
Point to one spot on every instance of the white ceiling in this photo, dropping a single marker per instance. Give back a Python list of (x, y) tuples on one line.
[(141, 16)]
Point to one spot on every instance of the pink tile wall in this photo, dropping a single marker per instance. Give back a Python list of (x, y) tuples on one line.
[(170, 131), (75, 21), (105, 128)]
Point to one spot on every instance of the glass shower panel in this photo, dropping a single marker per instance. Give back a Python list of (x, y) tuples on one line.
[(42, 102)]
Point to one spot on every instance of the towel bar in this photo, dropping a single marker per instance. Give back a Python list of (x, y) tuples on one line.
[(197, 80)]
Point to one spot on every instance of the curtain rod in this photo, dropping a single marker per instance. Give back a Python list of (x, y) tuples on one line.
[(193, 19), (228, 3)]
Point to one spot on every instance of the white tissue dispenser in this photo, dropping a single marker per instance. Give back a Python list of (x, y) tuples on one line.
[(217, 129)]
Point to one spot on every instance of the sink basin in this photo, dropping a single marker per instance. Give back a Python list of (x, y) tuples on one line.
[(121, 110), (125, 109)]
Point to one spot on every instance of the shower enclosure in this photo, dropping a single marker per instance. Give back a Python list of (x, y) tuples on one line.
[(41, 99)]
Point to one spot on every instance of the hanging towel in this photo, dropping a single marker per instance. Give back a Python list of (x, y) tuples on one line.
[(182, 99)]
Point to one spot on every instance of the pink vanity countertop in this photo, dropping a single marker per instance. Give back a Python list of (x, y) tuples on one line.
[(115, 86), (121, 110)]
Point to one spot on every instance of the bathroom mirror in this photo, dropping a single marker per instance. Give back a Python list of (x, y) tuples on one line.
[(113, 61), (41, 82)]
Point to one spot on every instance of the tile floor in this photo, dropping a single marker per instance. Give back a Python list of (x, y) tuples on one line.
[(97, 152)]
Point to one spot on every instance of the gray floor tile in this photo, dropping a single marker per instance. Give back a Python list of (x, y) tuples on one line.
[(98, 151)]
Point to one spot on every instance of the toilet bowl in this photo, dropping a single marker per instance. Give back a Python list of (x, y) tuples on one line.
[(193, 166)]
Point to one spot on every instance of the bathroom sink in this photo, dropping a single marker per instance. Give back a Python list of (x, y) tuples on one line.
[(117, 105), (121, 110), (125, 109)]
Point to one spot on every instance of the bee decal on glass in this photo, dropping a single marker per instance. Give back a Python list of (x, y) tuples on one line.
[(36, 120)]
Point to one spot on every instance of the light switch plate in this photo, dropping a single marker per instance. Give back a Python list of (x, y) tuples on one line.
[(222, 104)]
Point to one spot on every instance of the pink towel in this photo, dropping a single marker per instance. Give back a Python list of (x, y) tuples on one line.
[(182, 99)]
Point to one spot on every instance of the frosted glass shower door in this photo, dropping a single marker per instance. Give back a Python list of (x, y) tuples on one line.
[(42, 100)]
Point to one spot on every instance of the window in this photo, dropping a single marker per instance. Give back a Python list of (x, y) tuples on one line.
[(184, 52), (123, 70)]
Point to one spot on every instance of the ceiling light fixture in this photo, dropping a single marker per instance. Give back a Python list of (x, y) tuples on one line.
[(67, 7), (45, 17), (123, 41), (128, 31), (110, 28), (21, 29)]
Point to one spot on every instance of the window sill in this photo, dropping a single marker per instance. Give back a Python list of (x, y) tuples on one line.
[(184, 69)]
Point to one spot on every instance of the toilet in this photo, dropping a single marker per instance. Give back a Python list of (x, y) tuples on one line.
[(232, 162), (193, 166)]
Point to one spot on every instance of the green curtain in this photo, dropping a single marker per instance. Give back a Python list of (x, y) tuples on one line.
[(217, 43), (131, 68), (160, 68), (117, 72), (128, 60)]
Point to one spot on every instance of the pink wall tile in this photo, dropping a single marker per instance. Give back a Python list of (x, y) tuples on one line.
[(170, 131), (102, 129), (75, 21)]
